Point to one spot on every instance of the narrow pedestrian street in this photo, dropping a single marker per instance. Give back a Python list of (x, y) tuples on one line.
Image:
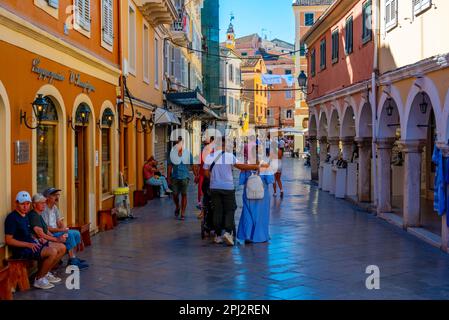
[(320, 249)]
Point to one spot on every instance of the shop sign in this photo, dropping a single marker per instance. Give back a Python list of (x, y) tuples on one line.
[(21, 152), (76, 80), (45, 74)]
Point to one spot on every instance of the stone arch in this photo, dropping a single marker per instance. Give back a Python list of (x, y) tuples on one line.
[(91, 205), (422, 88), (387, 125), (364, 120), (5, 157), (334, 124), (323, 124), (53, 93), (313, 127), (348, 128)]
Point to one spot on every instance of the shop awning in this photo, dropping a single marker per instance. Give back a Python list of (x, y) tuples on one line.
[(192, 102), (190, 99), (163, 116)]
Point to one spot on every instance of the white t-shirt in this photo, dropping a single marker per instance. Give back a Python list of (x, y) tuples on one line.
[(221, 176)]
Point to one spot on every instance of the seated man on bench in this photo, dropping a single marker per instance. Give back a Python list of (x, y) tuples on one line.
[(57, 227), (19, 237), (153, 177)]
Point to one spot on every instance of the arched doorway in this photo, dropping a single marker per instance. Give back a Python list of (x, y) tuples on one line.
[(82, 166), (364, 131), (419, 144), (390, 166)]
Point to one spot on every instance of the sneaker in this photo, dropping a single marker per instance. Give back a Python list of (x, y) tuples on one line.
[(182, 218), (52, 279), (218, 240), (275, 194), (43, 283), (169, 190), (163, 196), (228, 239), (79, 264), (177, 211), (282, 194)]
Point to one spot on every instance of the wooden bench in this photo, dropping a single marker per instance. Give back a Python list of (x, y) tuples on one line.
[(5, 286), (18, 273), (84, 230)]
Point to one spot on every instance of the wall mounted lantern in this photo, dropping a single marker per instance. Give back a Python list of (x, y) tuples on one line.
[(390, 107), (106, 120), (81, 117), (302, 83), (40, 107), (423, 105)]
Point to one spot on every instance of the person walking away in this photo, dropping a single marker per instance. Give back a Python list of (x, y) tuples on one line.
[(255, 218), (180, 163), (218, 168), (276, 163)]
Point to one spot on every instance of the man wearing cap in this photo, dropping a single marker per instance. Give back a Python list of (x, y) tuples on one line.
[(18, 236), (56, 226)]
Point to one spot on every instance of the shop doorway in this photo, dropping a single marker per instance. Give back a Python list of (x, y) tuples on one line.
[(81, 173)]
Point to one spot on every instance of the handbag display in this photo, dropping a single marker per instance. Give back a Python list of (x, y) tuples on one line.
[(255, 188)]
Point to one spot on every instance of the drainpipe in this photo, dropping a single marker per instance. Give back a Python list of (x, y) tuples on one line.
[(376, 23)]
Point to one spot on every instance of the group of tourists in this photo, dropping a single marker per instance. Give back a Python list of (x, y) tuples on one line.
[(35, 230), (216, 188)]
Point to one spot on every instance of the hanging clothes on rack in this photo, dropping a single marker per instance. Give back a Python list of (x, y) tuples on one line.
[(441, 181)]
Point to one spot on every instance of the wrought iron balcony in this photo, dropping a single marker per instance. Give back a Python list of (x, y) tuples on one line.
[(181, 28), (158, 12)]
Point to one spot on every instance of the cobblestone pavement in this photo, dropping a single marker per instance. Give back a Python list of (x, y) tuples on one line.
[(320, 249)]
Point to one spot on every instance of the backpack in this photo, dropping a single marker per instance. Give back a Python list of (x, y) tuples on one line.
[(254, 188)]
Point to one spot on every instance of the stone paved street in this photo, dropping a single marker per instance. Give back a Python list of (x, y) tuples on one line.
[(320, 249)]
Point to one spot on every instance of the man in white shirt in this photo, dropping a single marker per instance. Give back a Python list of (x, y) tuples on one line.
[(57, 227), (218, 168)]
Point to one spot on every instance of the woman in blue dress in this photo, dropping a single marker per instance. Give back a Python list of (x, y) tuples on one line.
[(255, 219)]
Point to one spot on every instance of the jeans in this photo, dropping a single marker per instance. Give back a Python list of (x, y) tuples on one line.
[(223, 208), (73, 239), (161, 182)]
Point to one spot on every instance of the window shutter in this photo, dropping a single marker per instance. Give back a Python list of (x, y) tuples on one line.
[(108, 23), (53, 3), (177, 59), (87, 14), (391, 17), (79, 11)]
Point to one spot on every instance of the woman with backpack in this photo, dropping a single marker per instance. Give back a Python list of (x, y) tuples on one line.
[(255, 219)]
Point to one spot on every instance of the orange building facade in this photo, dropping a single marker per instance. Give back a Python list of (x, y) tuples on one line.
[(71, 58)]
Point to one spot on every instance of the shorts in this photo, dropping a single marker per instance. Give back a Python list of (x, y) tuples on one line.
[(180, 186), (28, 254)]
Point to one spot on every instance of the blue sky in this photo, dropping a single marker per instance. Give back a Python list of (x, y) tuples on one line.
[(273, 18)]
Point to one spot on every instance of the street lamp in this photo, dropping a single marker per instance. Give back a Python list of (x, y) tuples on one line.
[(40, 107), (423, 105), (302, 83)]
